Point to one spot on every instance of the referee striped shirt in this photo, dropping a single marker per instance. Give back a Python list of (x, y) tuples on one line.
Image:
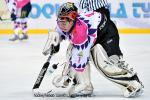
[(92, 4)]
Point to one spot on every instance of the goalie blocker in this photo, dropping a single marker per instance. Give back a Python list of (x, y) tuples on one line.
[(52, 43)]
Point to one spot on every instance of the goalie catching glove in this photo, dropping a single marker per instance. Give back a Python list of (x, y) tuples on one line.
[(52, 44)]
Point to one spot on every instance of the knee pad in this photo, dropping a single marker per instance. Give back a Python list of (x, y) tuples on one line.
[(103, 63)]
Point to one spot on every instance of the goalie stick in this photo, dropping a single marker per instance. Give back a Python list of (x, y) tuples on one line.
[(42, 73)]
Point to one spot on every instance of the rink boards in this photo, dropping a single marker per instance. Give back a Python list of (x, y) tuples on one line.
[(45, 31), (130, 17)]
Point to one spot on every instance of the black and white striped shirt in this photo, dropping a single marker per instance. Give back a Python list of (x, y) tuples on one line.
[(93, 4)]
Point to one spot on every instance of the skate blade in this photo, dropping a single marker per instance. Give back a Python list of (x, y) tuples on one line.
[(137, 93)]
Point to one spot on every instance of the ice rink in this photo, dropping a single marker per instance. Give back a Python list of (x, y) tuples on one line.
[(21, 62)]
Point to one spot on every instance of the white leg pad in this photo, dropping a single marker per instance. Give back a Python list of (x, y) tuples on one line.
[(128, 82)]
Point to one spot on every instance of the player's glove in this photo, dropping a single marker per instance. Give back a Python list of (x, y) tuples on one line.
[(52, 44)]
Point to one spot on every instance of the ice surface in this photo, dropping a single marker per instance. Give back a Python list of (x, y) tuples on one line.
[(21, 62)]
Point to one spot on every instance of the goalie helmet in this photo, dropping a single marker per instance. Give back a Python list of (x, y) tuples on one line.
[(68, 10)]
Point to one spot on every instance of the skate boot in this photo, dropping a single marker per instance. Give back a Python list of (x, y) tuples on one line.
[(24, 37), (14, 38), (134, 88), (82, 90), (82, 85)]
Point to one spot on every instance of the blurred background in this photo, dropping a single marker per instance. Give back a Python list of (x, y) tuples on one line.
[(130, 16)]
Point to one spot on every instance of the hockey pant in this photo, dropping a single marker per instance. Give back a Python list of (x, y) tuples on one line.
[(126, 79)]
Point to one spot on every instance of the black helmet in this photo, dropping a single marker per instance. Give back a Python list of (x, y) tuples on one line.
[(68, 9)]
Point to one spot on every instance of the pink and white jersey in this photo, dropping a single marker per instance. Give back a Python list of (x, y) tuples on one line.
[(21, 3), (82, 37), (11, 4)]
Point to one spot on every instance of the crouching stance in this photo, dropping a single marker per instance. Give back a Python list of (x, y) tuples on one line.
[(80, 30), (113, 68)]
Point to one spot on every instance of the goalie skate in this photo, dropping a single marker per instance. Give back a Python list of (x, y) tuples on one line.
[(86, 92), (24, 37), (134, 88), (14, 38)]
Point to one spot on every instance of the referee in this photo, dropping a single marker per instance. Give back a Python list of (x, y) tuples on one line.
[(100, 5)]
